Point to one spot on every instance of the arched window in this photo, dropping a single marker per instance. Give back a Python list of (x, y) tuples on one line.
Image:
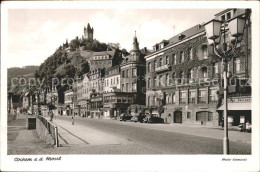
[(149, 67), (154, 100), (173, 98)]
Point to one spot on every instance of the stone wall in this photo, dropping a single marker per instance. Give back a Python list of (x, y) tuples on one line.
[(43, 132)]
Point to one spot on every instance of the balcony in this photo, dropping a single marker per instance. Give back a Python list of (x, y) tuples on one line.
[(162, 68)]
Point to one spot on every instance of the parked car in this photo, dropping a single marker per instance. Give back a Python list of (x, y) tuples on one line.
[(125, 117), (139, 117), (153, 118)]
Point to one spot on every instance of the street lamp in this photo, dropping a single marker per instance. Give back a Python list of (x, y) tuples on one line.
[(215, 32)]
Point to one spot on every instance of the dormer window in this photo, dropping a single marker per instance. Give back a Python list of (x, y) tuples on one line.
[(181, 36)]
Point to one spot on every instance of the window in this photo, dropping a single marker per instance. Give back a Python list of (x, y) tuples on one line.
[(216, 68), (134, 72), (228, 16), (237, 65), (173, 98), (127, 87), (123, 87), (202, 96), (126, 74), (190, 54), (149, 83), (188, 115), (205, 53), (167, 60), (167, 79), (174, 59), (155, 64), (133, 86), (181, 57), (154, 82), (213, 95), (148, 101), (173, 77), (223, 17), (192, 96), (117, 80), (183, 97), (161, 62), (149, 67), (160, 80), (123, 74), (154, 100)]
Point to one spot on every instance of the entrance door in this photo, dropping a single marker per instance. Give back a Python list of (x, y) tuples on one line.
[(177, 117)]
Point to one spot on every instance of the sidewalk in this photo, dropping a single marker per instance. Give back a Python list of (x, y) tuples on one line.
[(77, 134), (21, 140), (196, 130)]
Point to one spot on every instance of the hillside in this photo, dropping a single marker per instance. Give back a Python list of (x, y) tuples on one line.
[(17, 72)]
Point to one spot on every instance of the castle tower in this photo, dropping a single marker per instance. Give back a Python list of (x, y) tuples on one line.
[(88, 32)]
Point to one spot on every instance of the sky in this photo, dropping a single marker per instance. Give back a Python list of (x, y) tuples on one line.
[(34, 35)]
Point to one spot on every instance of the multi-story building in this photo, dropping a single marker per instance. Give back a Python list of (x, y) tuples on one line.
[(83, 96), (183, 76), (68, 101), (132, 84), (112, 79), (240, 66), (111, 87), (103, 60)]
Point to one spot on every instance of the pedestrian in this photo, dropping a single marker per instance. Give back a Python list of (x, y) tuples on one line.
[(222, 122), (51, 115), (248, 127), (72, 119)]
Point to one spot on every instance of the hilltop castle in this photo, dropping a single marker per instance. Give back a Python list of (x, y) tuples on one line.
[(88, 32)]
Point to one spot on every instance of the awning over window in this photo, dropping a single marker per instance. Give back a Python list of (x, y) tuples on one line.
[(237, 106)]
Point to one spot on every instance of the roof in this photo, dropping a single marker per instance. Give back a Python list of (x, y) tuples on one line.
[(187, 33), (223, 11), (86, 54), (103, 53)]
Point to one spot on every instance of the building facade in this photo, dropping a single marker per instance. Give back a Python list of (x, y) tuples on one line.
[(184, 76)]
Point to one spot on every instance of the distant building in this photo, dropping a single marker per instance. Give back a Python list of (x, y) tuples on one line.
[(88, 32), (83, 96), (102, 60), (68, 96)]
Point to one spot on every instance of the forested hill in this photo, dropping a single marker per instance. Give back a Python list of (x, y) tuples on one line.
[(71, 60), (19, 72)]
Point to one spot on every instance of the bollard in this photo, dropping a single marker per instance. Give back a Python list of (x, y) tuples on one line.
[(56, 136)]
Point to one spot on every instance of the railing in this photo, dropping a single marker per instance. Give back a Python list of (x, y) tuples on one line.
[(51, 128)]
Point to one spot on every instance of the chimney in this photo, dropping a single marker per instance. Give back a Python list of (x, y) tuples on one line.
[(145, 49)]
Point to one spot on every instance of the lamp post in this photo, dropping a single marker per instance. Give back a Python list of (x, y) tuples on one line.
[(217, 34)]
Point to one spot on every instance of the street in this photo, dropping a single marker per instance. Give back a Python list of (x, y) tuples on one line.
[(143, 138), (100, 136)]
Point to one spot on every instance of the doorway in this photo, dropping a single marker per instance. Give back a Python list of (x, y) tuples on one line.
[(177, 117)]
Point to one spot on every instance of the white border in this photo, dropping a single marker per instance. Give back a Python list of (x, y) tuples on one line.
[(134, 162)]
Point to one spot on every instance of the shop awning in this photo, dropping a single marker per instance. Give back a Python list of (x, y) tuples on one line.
[(237, 106)]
